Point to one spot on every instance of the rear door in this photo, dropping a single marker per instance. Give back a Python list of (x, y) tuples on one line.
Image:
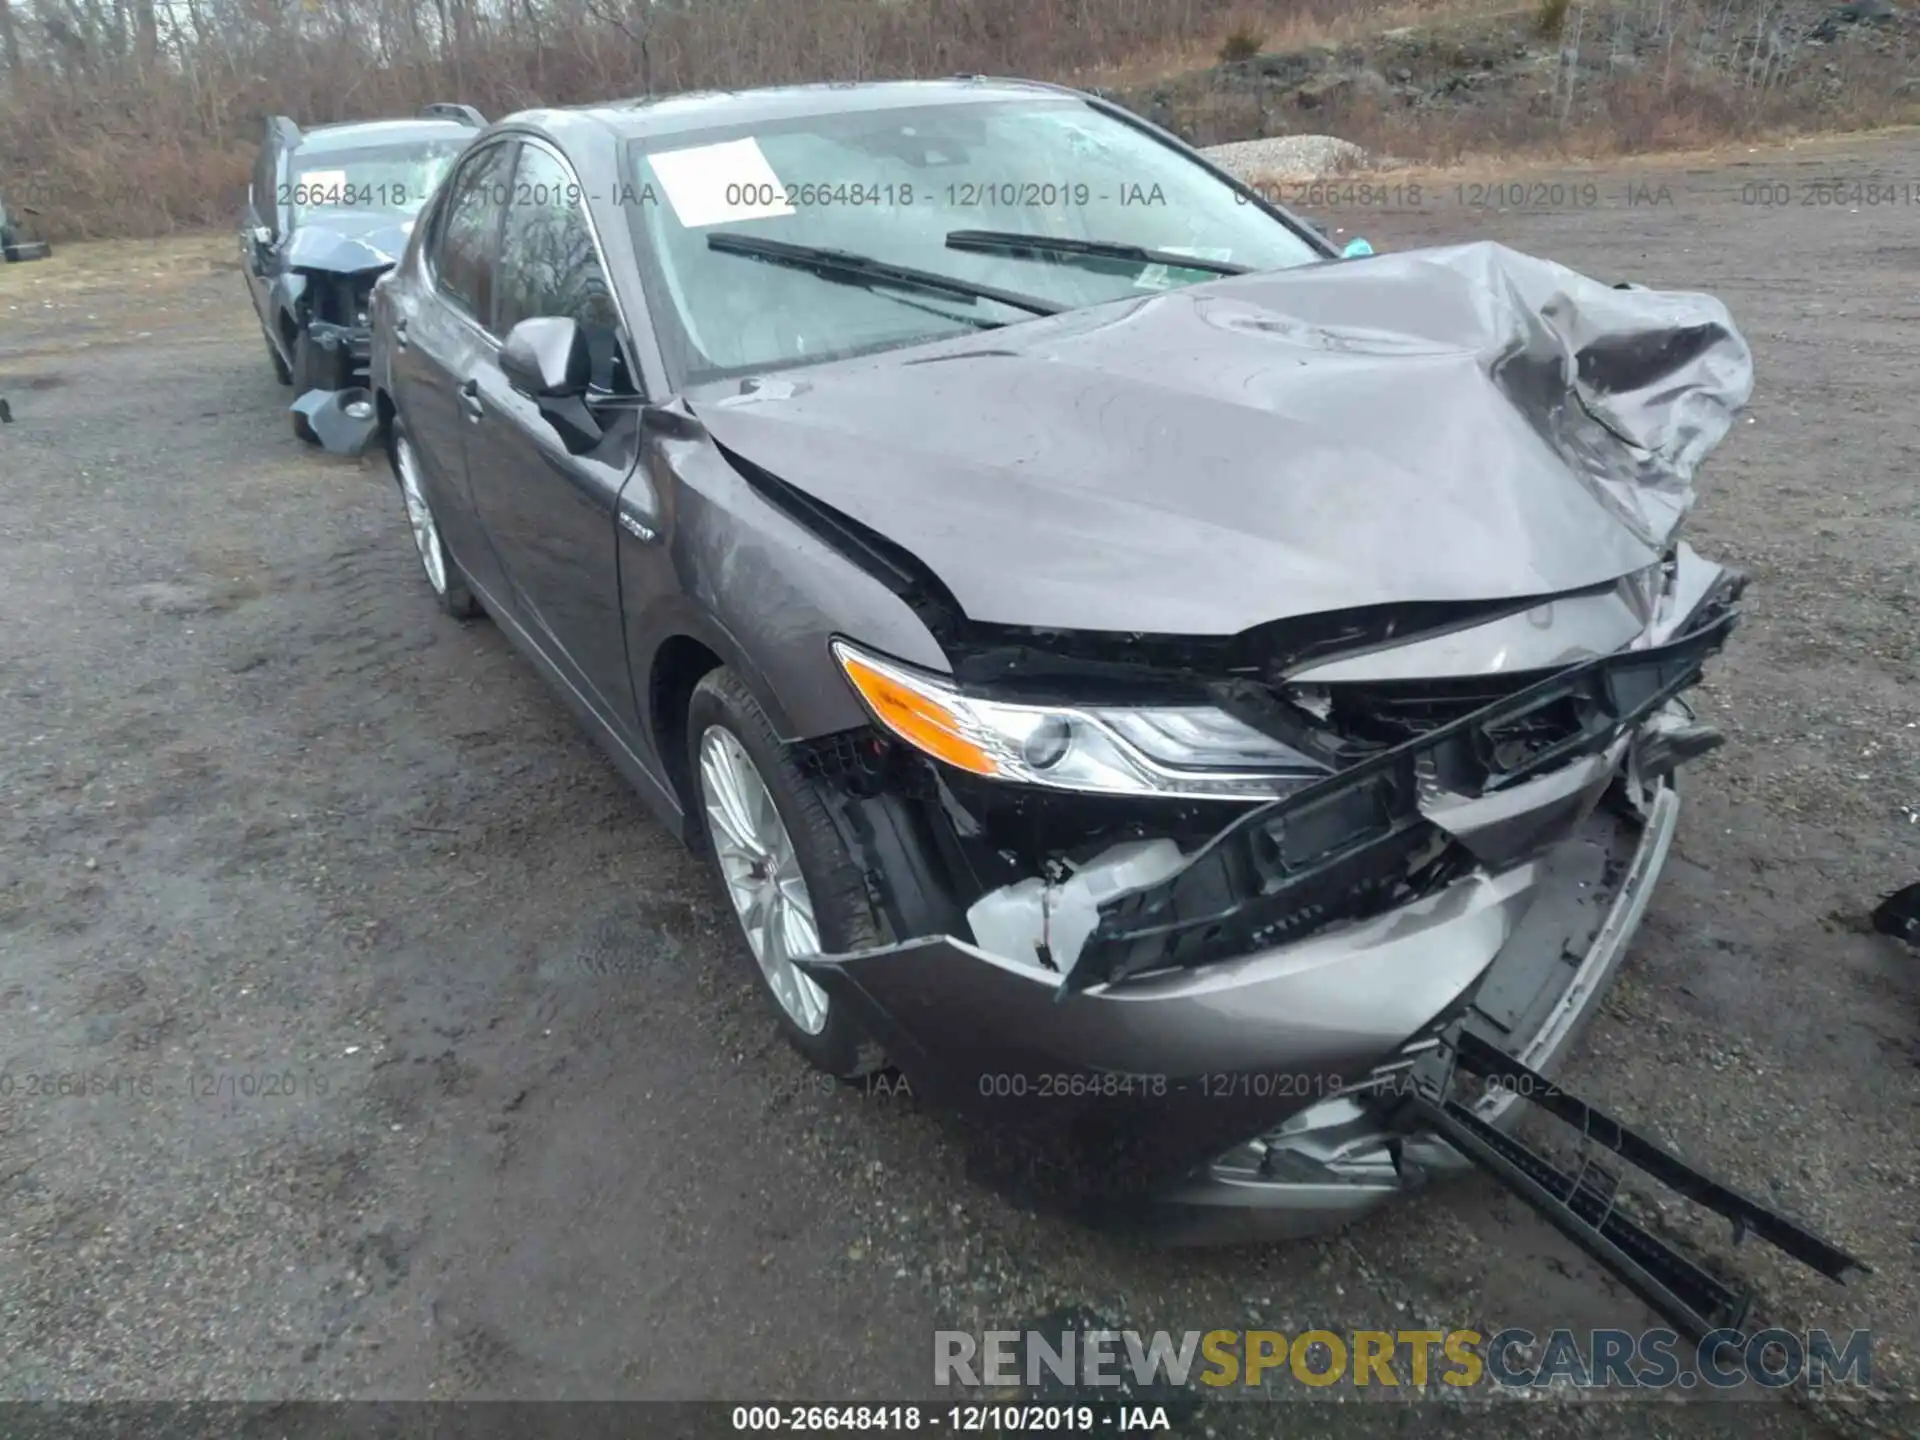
[(551, 508), (440, 331)]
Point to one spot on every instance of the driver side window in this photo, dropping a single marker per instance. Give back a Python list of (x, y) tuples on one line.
[(549, 264), (463, 248)]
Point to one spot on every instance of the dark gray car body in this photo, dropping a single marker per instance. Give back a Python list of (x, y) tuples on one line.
[(1461, 469)]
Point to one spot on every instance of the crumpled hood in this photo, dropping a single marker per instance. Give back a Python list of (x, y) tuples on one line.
[(349, 241), (1463, 423)]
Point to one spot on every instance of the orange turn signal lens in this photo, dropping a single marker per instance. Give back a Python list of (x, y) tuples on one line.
[(915, 716)]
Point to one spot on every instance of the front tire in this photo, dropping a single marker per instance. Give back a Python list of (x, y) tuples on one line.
[(791, 882), (449, 585)]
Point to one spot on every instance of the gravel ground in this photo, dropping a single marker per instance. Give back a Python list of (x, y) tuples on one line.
[(1286, 155), (421, 1062)]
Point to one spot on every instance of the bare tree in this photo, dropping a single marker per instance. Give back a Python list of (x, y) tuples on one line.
[(9, 37), (134, 116), (146, 34)]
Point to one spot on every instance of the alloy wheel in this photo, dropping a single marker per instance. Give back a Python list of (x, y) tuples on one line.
[(762, 875), (426, 537)]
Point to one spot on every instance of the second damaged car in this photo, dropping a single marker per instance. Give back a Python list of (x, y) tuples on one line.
[(1124, 659), (328, 211)]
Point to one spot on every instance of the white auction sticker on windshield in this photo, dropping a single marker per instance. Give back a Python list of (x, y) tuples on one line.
[(715, 184), (320, 187)]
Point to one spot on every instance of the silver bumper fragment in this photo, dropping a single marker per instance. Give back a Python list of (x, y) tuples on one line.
[(1332, 1162), (341, 421)]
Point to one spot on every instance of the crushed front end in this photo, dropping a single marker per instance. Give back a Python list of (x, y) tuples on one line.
[(1266, 1031), (1207, 908), (1228, 972), (335, 313), (333, 351)]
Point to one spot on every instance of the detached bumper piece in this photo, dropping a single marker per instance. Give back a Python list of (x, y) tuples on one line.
[(342, 421), (1584, 1206), (1349, 845), (1899, 915)]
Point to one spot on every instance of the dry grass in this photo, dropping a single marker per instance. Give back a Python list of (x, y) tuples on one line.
[(1705, 79), (1281, 29), (1507, 167), (97, 293), (96, 142), (151, 268), (1628, 116)]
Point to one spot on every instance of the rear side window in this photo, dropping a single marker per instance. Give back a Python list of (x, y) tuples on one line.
[(463, 256)]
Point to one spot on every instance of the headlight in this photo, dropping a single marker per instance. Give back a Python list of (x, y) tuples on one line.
[(1189, 750)]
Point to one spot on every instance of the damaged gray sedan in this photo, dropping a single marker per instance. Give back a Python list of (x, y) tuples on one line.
[(327, 210), (1125, 660)]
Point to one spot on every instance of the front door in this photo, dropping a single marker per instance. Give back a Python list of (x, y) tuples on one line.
[(552, 509)]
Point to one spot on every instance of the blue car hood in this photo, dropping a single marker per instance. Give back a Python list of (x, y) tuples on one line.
[(349, 241)]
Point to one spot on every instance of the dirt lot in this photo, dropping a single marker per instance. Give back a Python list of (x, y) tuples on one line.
[(270, 823)]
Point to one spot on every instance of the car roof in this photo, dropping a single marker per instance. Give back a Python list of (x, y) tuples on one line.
[(353, 135), (712, 109)]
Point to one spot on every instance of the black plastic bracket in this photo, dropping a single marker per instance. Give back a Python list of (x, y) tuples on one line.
[(1584, 1204), (1314, 856)]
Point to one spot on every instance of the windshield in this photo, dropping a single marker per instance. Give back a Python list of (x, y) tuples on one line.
[(389, 179), (892, 185)]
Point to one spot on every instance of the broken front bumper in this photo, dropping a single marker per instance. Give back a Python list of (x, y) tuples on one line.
[(342, 422), (1342, 1155), (1282, 1022), (1281, 1044), (339, 414), (1192, 1017)]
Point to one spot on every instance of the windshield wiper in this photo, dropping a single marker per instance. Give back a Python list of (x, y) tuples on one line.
[(1002, 242), (848, 268)]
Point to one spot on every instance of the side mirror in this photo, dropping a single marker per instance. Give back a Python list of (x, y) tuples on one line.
[(546, 358)]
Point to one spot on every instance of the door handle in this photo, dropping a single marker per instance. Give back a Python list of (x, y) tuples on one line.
[(470, 397), (400, 332)]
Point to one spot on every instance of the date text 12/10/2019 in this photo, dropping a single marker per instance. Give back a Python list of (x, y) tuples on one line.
[(201, 1084), (1222, 1085), (284, 1084), (1089, 1419)]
